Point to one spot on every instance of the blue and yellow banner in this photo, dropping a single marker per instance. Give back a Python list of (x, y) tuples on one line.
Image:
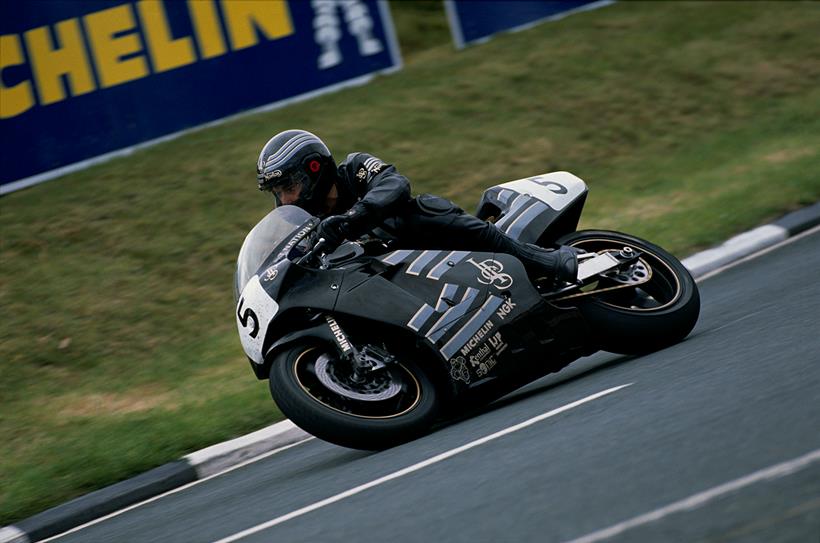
[(472, 21), (80, 79)]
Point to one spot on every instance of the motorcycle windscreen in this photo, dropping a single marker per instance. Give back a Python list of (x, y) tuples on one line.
[(272, 230)]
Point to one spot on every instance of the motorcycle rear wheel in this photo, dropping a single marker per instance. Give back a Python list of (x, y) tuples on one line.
[(337, 414), (643, 318)]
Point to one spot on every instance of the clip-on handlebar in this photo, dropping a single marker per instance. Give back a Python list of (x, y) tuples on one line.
[(313, 253)]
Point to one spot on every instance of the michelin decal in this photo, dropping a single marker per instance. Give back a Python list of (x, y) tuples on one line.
[(103, 76)]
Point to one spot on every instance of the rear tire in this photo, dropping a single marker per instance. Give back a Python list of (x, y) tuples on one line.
[(645, 318), (328, 415)]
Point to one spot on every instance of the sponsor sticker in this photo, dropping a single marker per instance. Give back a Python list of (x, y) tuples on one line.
[(497, 343), (459, 370), (271, 175), (480, 355), (492, 273), (477, 338), (270, 274), (341, 339), (300, 235), (485, 356), (485, 367), (505, 309)]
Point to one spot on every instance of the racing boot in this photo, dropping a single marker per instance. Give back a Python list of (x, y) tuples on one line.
[(559, 265)]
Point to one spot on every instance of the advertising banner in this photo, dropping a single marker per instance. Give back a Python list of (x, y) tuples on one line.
[(83, 80), (473, 22)]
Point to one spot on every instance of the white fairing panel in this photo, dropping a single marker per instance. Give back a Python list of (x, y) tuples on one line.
[(557, 189), (254, 312)]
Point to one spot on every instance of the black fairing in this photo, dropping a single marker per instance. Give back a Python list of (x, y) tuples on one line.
[(476, 316)]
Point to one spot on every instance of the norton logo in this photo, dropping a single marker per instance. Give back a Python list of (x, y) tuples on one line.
[(491, 273), (296, 239), (271, 273)]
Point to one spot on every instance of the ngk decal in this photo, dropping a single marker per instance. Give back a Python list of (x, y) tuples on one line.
[(505, 309)]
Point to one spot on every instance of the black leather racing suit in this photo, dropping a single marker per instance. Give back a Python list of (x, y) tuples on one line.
[(376, 191)]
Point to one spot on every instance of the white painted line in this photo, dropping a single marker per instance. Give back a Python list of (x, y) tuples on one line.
[(692, 502), (415, 467), (762, 252), (174, 491), (12, 534)]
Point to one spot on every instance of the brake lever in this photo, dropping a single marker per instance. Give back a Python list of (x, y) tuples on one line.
[(313, 253)]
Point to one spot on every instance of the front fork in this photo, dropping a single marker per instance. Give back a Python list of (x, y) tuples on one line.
[(362, 361)]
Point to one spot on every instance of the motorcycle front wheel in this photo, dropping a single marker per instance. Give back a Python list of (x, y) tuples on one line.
[(651, 306), (316, 389)]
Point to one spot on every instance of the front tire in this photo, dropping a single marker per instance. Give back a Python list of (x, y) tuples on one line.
[(327, 409), (643, 318)]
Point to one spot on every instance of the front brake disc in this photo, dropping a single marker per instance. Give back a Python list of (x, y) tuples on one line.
[(381, 387)]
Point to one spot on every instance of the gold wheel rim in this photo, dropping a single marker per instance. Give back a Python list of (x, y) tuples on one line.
[(678, 291)]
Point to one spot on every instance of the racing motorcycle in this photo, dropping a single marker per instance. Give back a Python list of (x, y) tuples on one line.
[(368, 346)]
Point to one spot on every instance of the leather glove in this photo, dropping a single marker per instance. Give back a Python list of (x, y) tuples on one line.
[(335, 230)]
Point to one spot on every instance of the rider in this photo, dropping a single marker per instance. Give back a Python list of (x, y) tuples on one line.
[(364, 193)]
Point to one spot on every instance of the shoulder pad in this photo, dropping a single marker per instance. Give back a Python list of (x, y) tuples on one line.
[(365, 166)]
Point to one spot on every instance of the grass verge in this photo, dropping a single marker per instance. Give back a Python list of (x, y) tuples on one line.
[(689, 121)]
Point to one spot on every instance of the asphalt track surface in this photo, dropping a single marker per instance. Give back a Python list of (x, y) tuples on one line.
[(715, 439)]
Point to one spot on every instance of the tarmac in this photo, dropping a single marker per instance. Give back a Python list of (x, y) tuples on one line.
[(222, 456)]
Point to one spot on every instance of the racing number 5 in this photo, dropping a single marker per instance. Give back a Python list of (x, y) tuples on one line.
[(245, 316), (551, 186)]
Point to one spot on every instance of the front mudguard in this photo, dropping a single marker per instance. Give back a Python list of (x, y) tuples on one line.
[(447, 388), (320, 331)]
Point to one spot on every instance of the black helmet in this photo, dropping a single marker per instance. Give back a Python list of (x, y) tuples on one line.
[(297, 158)]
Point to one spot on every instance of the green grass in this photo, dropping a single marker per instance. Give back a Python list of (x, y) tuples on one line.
[(420, 25), (689, 121)]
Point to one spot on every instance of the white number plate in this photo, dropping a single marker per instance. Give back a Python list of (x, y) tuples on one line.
[(254, 312), (557, 189)]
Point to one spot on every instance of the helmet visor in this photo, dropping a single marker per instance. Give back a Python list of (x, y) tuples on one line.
[(282, 182), (288, 189)]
